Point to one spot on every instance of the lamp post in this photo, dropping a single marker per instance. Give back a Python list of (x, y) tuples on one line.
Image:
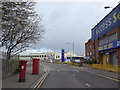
[(106, 7), (73, 49)]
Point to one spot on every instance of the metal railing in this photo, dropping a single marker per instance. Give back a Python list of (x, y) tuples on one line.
[(9, 67)]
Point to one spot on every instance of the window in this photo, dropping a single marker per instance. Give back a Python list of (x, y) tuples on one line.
[(108, 39), (112, 37), (57, 56), (90, 53), (90, 46)]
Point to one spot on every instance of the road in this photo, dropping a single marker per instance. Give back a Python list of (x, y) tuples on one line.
[(0, 74), (66, 76)]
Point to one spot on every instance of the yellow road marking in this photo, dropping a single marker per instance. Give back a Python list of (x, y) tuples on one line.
[(101, 75), (41, 80), (38, 82), (104, 76)]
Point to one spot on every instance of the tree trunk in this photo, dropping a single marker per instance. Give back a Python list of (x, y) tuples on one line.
[(8, 55)]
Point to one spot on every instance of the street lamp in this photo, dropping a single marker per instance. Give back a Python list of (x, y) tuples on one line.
[(106, 7)]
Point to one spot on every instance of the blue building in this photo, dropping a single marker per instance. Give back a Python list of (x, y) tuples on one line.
[(105, 40)]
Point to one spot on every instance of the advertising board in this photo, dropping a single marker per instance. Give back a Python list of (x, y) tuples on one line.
[(113, 44), (110, 22)]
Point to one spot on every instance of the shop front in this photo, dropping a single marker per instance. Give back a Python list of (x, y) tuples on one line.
[(109, 57), (108, 60), (109, 53), (106, 41)]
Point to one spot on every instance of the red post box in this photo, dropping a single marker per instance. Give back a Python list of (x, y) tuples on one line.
[(22, 70), (35, 68)]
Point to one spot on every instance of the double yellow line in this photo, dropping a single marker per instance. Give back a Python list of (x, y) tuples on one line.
[(39, 83)]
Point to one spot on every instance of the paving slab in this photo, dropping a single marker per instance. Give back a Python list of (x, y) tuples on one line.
[(12, 82), (103, 72)]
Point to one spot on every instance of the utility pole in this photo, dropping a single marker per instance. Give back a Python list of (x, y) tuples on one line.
[(73, 50), (72, 47)]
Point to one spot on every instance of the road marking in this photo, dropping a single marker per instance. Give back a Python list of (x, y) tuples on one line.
[(87, 84), (104, 76), (114, 79), (58, 70), (77, 71), (43, 79), (74, 70), (43, 68), (39, 83), (73, 74)]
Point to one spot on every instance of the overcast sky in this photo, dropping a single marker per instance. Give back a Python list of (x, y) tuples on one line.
[(69, 22)]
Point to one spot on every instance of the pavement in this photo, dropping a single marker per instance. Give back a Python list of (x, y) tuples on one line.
[(102, 72), (12, 82)]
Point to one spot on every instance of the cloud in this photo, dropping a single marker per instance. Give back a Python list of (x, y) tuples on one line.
[(70, 23), (41, 50)]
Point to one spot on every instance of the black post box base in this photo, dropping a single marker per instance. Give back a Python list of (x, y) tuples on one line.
[(21, 80), (35, 73)]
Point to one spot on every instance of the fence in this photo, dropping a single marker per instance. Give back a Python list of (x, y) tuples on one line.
[(9, 67)]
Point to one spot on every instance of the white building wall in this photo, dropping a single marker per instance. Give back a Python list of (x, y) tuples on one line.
[(41, 56)]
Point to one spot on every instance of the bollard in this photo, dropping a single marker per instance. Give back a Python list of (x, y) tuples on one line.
[(35, 68), (22, 70)]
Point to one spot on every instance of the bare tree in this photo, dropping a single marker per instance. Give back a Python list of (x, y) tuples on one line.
[(21, 27)]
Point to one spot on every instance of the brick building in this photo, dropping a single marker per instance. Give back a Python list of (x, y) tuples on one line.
[(89, 49), (105, 40)]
